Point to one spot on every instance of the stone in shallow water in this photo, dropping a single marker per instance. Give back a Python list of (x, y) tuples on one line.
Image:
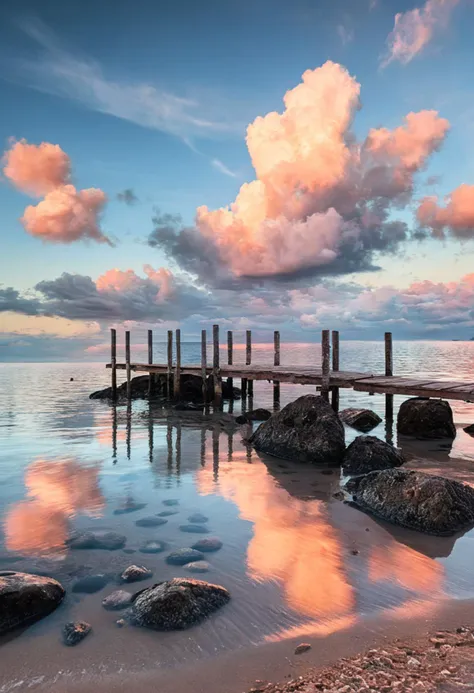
[(129, 508), (469, 430), (368, 454), (427, 419), (194, 529), (197, 567), (197, 518), (74, 632), (90, 584), (171, 501), (167, 513), (117, 600), (208, 544), (254, 415), (135, 573), (26, 598), (151, 521), (176, 604), (153, 546), (97, 539), (183, 556), (361, 419)]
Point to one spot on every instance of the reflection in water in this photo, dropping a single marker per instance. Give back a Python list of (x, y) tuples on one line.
[(399, 563), (58, 490)]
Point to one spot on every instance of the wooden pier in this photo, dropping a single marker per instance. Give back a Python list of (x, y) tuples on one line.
[(326, 378)]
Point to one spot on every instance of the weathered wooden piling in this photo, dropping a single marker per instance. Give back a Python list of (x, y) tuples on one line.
[(151, 377), (388, 373), (325, 361), (169, 374), (127, 364), (177, 370), (248, 359), (335, 368), (230, 361), (113, 361), (216, 371), (276, 362), (204, 365)]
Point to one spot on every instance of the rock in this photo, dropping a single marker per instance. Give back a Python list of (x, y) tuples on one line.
[(197, 567), (151, 521), (71, 380), (469, 430), (26, 598), (361, 419), (90, 584), (139, 388), (74, 632), (167, 513), (426, 418), (197, 518), (121, 623), (136, 573), (153, 547), (129, 507), (254, 415), (194, 529), (117, 600), (187, 406), (368, 454), (339, 495), (306, 430), (207, 545), (171, 501), (176, 604), (426, 503), (304, 647), (183, 556), (128, 551), (227, 391), (97, 539)]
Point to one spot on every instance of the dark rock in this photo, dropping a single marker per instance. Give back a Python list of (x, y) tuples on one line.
[(136, 573), (187, 406), (128, 551), (117, 600), (197, 567), (254, 415), (177, 604), (307, 430), (153, 547), (74, 632), (151, 521), (130, 507), (227, 391), (183, 556), (26, 598), (426, 503), (207, 545), (368, 454), (426, 419), (361, 419), (469, 430), (171, 501), (194, 529), (198, 518), (304, 647), (167, 513), (71, 380), (97, 539), (90, 584), (339, 495)]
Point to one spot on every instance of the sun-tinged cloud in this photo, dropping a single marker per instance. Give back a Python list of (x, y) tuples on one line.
[(116, 280), (456, 218), (414, 29), (43, 325), (36, 169)]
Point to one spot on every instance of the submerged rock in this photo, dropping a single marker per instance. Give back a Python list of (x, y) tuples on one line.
[(198, 518), (367, 454), (26, 598), (97, 539), (183, 556), (306, 430), (90, 584), (152, 521), (75, 632), (129, 507), (171, 501), (426, 503), (138, 386), (135, 573), (363, 420), (254, 415), (176, 604), (117, 600), (197, 567), (167, 513), (208, 544), (426, 418), (194, 529), (153, 546)]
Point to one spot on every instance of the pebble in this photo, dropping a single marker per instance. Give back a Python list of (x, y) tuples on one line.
[(197, 567), (117, 600), (194, 529), (153, 547), (413, 663), (151, 521), (197, 518), (121, 623), (208, 544), (135, 573), (167, 513), (303, 647), (184, 556), (74, 632), (90, 584), (129, 508), (171, 501)]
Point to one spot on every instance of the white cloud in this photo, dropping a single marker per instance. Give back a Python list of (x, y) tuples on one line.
[(223, 168)]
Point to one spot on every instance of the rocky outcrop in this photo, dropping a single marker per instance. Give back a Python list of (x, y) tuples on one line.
[(426, 419), (176, 604), (368, 454), (190, 389), (307, 430), (254, 415), (426, 503), (26, 598), (75, 632), (97, 539), (363, 420)]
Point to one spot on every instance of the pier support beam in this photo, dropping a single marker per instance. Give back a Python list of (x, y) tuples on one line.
[(177, 370), (127, 364), (325, 360), (204, 365), (248, 360), (151, 377), (230, 361), (335, 368), (276, 362), (216, 371), (113, 361), (388, 398), (169, 379)]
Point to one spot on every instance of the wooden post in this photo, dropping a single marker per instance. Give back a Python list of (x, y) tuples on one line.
[(248, 360), (388, 372), (276, 362), (204, 365), (325, 360), (169, 380), (150, 361), (113, 361), (230, 361), (127, 363), (335, 368), (129, 429), (216, 371), (177, 369)]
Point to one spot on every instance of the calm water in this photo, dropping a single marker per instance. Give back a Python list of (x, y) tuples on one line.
[(67, 463)]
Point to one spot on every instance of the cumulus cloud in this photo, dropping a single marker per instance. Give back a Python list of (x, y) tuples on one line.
[(65, 215), (414, 29), (128, 196), (321, 201), (456, 218)]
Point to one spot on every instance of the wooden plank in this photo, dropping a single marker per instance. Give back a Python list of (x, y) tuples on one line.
[(469, 388), (395, 381), (448, 385)]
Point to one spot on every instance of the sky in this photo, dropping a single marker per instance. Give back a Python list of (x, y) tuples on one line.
[(264, 165)]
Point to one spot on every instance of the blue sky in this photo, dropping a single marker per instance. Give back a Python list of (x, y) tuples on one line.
[(179, 83)]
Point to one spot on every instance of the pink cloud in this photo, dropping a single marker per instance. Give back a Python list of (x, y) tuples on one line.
[(36, 169), (414, 29), (457, 217), (127, 281)]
